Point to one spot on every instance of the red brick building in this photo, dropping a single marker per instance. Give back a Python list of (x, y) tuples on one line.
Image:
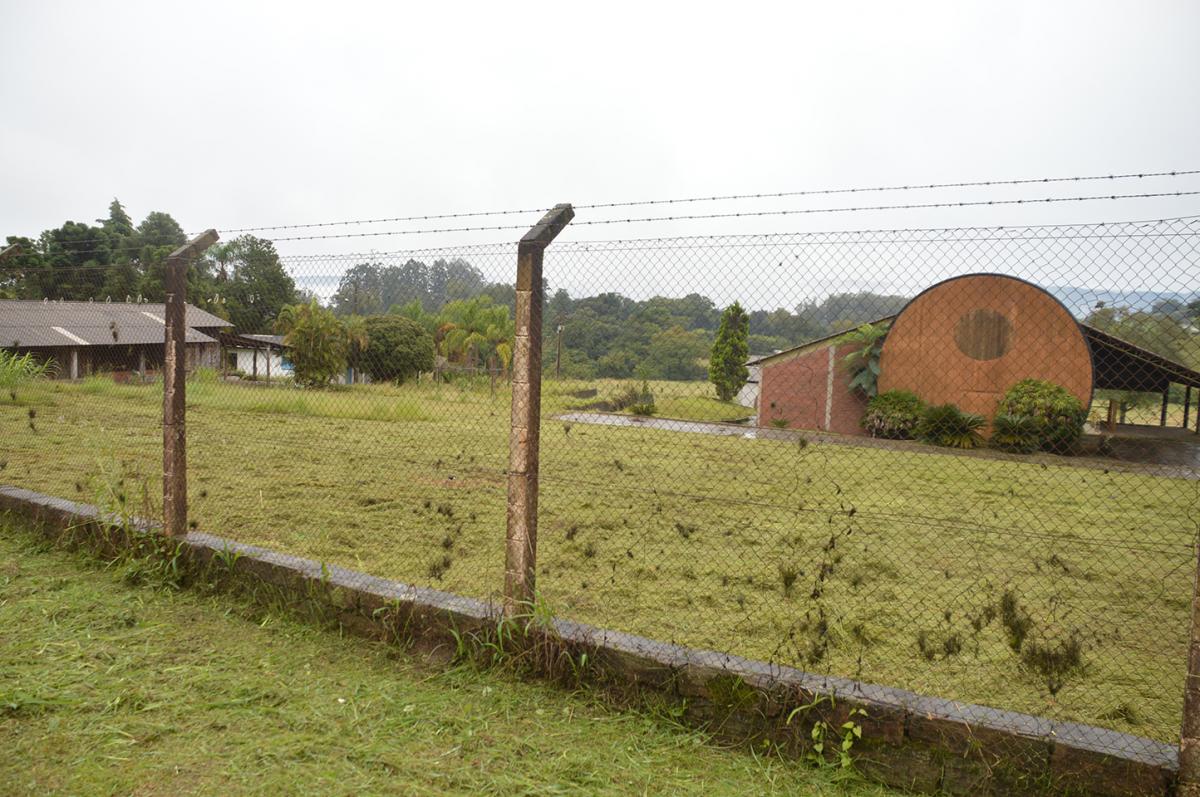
[(808, 387)]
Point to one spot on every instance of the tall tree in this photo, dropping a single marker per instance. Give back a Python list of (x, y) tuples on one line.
[(727, 364), (118, 222), (258, 287)]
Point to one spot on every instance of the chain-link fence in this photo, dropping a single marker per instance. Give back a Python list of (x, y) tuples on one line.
[(957, 461), (888, 496)]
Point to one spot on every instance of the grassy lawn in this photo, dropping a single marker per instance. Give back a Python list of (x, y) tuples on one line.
[(896, 567), (108, 687)]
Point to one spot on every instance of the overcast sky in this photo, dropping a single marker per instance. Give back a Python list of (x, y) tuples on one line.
[(242, 114)]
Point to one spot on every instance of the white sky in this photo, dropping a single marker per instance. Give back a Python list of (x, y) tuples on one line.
[(240, 114)]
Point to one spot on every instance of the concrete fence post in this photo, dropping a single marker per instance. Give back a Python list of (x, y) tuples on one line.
[(520, 563), (174, 384), (1189, 737)]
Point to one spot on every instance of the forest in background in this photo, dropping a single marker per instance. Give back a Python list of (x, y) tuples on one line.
[(607, 335)]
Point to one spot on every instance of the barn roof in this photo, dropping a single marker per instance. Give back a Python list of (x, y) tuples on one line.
[(40, 324), (1118, 364)]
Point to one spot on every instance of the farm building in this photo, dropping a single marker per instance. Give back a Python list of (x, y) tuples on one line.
[(121, 338), (964, 341), (256, 355)]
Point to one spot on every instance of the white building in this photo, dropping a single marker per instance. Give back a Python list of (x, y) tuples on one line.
[(748, 395), (257, 356)]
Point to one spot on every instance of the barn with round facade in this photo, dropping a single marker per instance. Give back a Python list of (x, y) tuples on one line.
[(966, 341)]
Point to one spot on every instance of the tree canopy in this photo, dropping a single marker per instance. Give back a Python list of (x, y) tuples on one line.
[(114, 260)]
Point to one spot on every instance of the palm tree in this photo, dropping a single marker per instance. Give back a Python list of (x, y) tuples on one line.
[(317, 341), (476, 328), (222, 255)]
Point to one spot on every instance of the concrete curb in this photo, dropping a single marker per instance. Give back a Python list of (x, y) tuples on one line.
[(921, 743)]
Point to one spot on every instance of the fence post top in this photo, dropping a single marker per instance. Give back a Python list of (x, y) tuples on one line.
[(546, 230), (196, 245)]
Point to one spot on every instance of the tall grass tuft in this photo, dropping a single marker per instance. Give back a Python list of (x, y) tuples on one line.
[(19, 370)]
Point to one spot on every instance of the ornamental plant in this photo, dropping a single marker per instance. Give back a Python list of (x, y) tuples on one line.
[(893, 414), (1054, 414), (947, 425)]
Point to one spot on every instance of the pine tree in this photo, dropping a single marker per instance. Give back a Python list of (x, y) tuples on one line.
[(727, 366), (118, 222)]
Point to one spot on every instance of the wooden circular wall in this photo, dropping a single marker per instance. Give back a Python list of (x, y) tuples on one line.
[(968, 339)]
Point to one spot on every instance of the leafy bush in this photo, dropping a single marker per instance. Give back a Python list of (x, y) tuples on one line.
[(645, 402), (398, 348), (1016, 433), (894, 415), (1057, 415), (644, 409), (631, 396), (947, 425)]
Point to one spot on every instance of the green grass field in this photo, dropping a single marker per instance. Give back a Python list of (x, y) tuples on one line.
[(111, 687), (894, 566)]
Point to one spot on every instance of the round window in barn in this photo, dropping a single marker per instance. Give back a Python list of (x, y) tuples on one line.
[(983, 334)]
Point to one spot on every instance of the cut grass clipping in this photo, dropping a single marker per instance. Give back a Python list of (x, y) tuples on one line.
[(835, 558), (107, 688)]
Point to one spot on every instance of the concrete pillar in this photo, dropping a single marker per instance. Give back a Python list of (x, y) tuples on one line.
[(521, 540)]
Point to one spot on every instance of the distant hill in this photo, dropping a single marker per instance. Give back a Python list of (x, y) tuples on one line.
[(1082, 301)]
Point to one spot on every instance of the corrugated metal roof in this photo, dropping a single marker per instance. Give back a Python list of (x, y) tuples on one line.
[(33, 324), (276, 339)]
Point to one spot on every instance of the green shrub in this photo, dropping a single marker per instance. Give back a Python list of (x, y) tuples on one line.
[(633, 398), (1016, 433), (645, 404), (894, 415), (947, 425), (397, 348), (1057, 415), (644, 409)]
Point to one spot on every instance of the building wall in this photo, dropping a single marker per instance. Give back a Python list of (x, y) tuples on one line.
[(810, 389), (244, 361), (969, 339), (748, 395)]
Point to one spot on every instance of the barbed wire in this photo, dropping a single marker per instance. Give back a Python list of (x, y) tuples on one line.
[(137, 246), (736, 240), (736, 197), (875, 189)]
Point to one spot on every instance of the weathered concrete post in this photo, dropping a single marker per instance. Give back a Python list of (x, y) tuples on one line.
[(174, 380), (1189, 737), (521, 549)]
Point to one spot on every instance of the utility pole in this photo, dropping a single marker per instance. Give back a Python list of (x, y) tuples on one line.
[(558, 352)]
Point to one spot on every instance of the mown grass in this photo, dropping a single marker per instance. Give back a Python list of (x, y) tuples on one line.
[(112, 688), (886, 565)]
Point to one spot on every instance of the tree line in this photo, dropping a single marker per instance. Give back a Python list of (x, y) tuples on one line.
[(242, 280), (468, 318)]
